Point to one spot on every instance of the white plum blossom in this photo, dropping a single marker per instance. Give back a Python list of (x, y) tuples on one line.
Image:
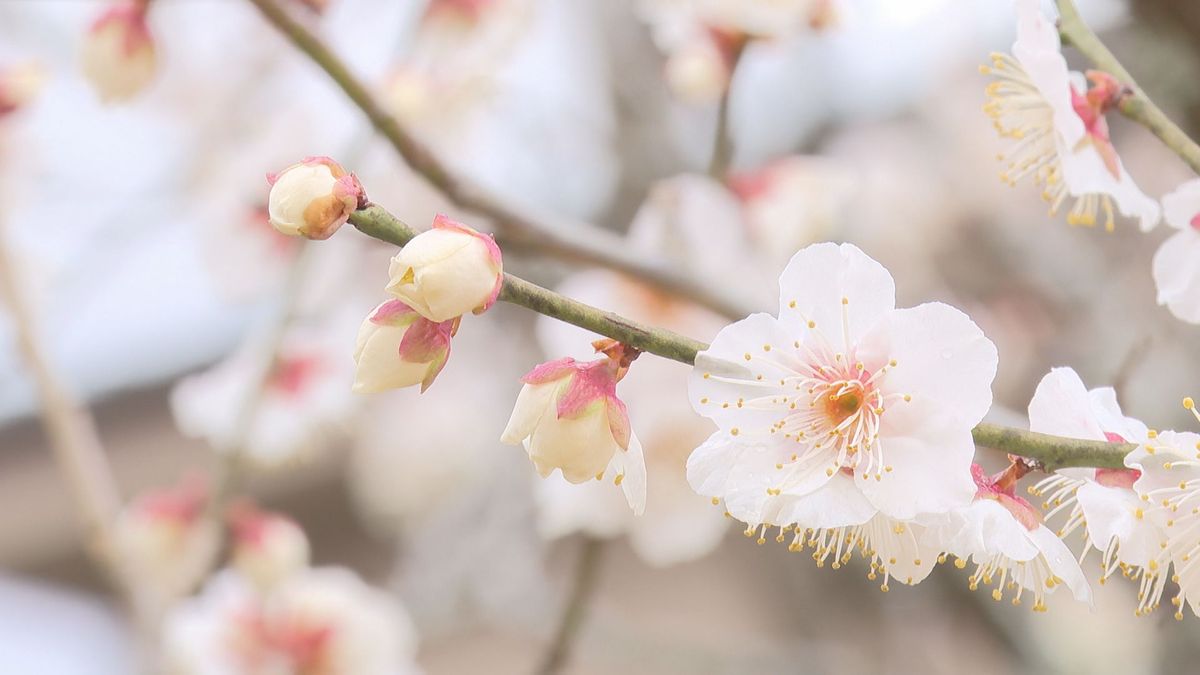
[(842, 407), (164, 540), (319, 620), (307, 397), (118, 51), (267, 547), (1169, 488), (1058, 125), (1100, 500), (447, 271), (397, 347), (1177, 261), (1003, 535), (569, 418), (312, 198)]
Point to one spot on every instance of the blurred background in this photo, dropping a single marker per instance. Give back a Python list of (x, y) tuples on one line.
[(155, 285)]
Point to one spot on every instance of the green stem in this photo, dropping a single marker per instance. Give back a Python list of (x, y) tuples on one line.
[(575, 242), (1053, 452), (1137, 106)]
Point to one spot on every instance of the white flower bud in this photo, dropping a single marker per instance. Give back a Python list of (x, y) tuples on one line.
[(312, 199), (397, 347), (268, 547), (447, 271), (118, 53)]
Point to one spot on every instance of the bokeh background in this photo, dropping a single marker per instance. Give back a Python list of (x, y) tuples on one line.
[(135, 230)]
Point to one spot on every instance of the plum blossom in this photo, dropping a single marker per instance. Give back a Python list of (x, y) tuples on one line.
[(568, 417), (1169, 488), (118, 52), (267, 547), (313, 198), (307, 397), (447, 271), (1177, 261), (1100, 500), (1059, 127), (397, 347), (18, 86), (1003, 535), (164, 541), (842, 407), (318, 620)]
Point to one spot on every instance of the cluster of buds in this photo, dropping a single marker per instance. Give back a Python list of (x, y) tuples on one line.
[(118, 53)]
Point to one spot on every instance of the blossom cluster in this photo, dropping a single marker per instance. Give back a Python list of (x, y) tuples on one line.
[(1056, 118)]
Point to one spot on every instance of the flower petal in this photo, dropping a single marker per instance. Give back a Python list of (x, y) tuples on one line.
[(1061, 406), (819, 278), (836, 504), (1176, 270)]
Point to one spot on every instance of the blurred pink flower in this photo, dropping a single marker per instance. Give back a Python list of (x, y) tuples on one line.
[(118, 51)]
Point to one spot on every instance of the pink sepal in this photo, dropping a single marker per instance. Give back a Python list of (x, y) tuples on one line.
[(393, 313), (350, 192), (1122, 478), (593, 382), (334, 168), (272, 177), (428, 342), (550, 371), (1022, 510)]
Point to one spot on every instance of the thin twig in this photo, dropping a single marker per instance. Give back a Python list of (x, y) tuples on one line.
[(1052, 452), (573, 242), (722, 152), (1137, 106), (583, 585)]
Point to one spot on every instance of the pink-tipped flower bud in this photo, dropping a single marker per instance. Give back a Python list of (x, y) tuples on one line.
[(118, 52), (313, 199), (397, 347), (568, 417), (447, 271), (267, 547), (18, 85)]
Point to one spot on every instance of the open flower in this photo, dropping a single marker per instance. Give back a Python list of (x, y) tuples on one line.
[(164, 541), (447, 271), (1169, 488), (267, 547), (568, 417), (1177, 262), (118, 52), (397, 347), (1101, 500), (1003, 535), (322, 620), (1058, 123), (313, 198), (843, 406)]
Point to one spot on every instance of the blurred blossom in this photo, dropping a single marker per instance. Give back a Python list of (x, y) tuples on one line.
[(1177, 262), (18, 86), (307, 396), (165, 542), (319, 620), (1059, 128), (267, 547), (119, 51)]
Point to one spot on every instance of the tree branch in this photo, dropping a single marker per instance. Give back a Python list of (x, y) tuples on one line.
[(1137, 106), (569, 241), (722, 153), (1053, 452), (584, 583)]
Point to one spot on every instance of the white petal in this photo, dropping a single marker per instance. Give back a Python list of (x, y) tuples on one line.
[(631, 464), (941, 356), (1182, 204), (1040, 52), (1176, 271), (377, 357), (738, 472), (1111, 419), (983, 529), (1061, 406), (1062, 562), (818, 278), (581, 446), (1110, 513), (903, 549), (1085, 173), (534, 401), (838, 503)]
